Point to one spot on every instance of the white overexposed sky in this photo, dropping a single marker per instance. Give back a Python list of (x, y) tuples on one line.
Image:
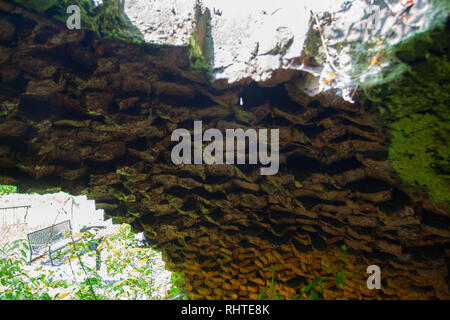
[(242, 7)]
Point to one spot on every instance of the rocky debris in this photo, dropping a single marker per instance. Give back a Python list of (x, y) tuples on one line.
[(343, 44), (163, 22), (271, 41), (222, 225), (268, 43)]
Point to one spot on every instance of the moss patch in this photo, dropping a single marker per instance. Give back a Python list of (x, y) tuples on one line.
[(196, 57), (312, 46), (107, 20), (201, 51), (414, 97), (419, 153)]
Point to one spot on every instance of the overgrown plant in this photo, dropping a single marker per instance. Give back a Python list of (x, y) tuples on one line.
[(15, 282), (177, 291), (269, 292), (127, 271), (5, 189), (314, 290)]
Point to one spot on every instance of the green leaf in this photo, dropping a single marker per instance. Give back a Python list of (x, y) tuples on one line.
[(314, 283), (5, 189), (313, 296), (262, 295), (25, 245), (340, 278)]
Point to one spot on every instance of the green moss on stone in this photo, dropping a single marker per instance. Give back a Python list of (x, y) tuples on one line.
[(242, 115), (419, 153), (312, 46), (198, 61), (107, 20), (414, 95), (201, 50), (38, 5)]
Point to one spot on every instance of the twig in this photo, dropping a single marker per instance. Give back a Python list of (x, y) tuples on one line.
[(325, 46), (328, 57), (84, 270), (71, 269)]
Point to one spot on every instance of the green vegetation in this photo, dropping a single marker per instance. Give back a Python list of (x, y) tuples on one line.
[(107, 20), (413, 97), (198, 61), (412, 93), (312, 46), (177, 284), (14, 282), (269, 292), (314, 290), (420, 116), (5, 189), (128, 268), (419, 153), (200, 52)]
